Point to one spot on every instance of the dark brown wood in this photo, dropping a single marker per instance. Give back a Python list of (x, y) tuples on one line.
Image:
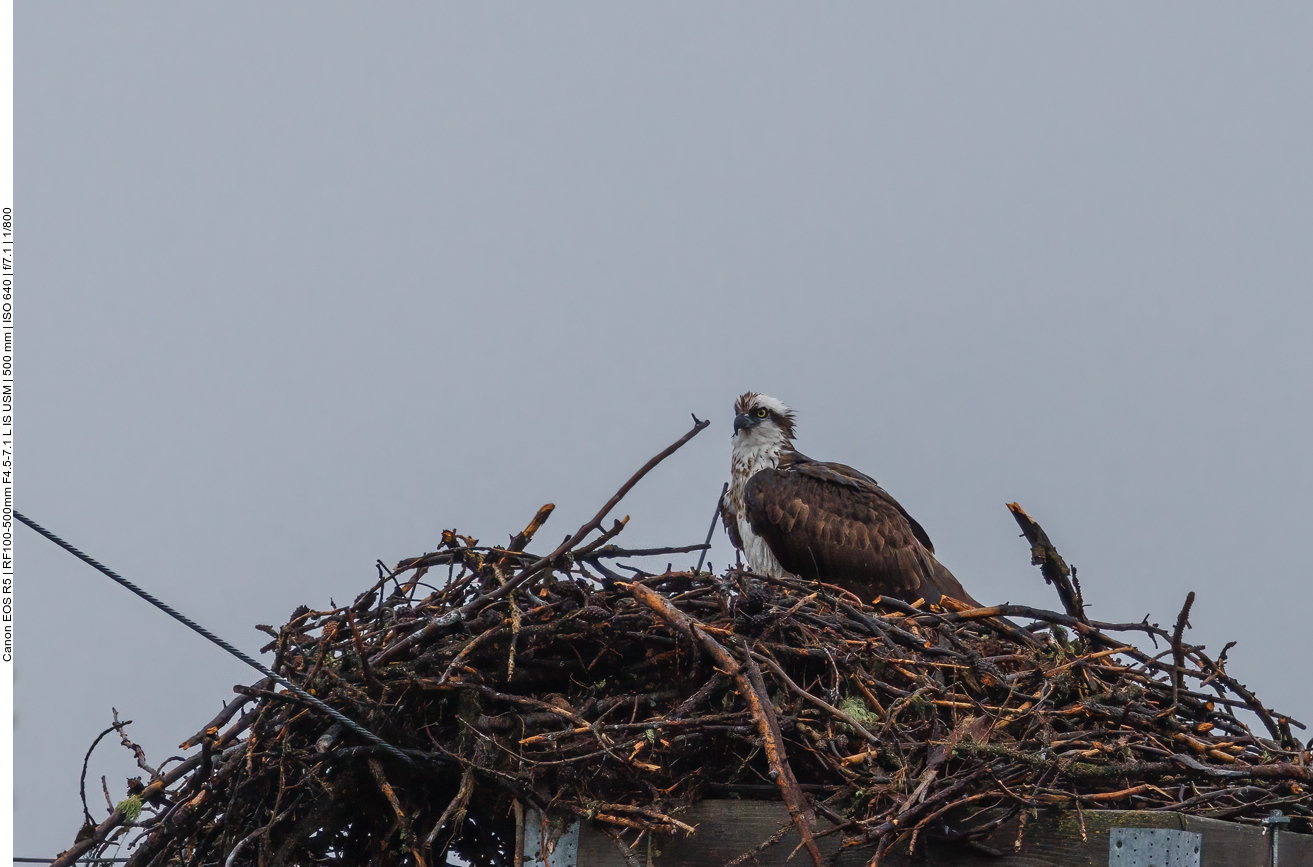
[(728, 829), (1054, 838), (763, 710), (228, 712), (1229, 843), (725, 830), (1050, 562)]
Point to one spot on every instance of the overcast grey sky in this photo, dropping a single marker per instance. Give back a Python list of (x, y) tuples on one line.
[(303, 284)]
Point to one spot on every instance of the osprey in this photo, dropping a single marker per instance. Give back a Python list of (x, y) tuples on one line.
[(791, 515)]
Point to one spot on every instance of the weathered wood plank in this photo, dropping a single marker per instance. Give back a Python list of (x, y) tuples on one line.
[(1053, 838), (1227, 843), (725, 830), (728, 829)]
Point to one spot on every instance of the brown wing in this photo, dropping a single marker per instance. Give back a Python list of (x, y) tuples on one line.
[(730, 522), (829, 522), (846, 477)]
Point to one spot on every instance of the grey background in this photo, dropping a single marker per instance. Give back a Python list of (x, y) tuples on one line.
[(303, 285)]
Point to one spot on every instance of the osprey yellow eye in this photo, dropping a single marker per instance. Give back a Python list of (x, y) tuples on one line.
[(761, 413)]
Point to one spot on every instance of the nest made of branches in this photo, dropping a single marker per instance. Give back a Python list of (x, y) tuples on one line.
[(493, 680)]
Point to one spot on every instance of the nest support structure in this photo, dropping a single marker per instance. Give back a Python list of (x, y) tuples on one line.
[(517, 681)]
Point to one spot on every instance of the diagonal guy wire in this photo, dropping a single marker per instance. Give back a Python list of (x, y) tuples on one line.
[(186, 621)]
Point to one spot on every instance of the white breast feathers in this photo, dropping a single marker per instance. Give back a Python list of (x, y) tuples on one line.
[(752, 454)]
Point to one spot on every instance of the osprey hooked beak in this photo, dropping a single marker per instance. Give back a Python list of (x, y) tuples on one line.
[(750, 419)]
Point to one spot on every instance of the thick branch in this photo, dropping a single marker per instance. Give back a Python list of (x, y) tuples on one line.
[(1050, 562)]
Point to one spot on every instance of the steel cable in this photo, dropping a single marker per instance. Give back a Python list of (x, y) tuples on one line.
[(201, 630)]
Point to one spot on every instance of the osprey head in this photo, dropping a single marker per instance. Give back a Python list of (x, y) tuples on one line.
[(762, 419)]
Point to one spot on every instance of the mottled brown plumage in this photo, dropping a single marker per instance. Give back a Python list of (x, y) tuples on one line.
[(823, 521)]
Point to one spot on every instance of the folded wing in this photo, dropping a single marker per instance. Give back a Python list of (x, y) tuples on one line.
[(828, 522)]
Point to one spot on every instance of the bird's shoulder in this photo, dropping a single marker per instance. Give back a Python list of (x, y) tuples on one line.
[(834, 490), (798, 464)]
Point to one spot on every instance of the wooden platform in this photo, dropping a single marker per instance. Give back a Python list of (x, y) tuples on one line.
[(729, 828)]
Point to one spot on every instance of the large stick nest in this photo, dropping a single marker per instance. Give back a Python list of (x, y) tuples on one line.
[(502, 680)]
